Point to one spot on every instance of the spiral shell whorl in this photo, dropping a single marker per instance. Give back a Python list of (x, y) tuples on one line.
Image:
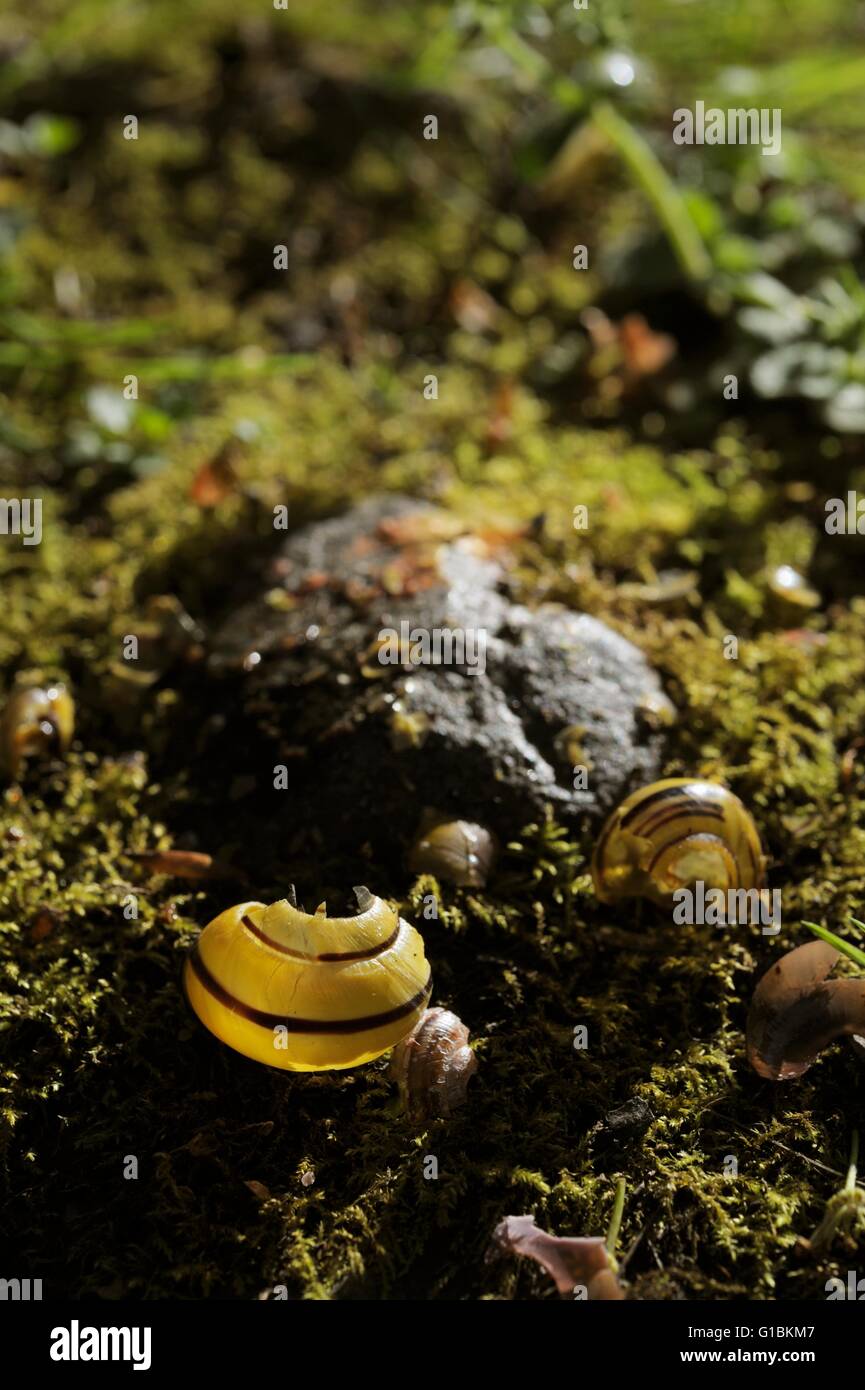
[(316, 937)]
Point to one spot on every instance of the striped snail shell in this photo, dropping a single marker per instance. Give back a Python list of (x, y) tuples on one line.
[(35, 720), (433, 1065), (675, 833), (307, 992)]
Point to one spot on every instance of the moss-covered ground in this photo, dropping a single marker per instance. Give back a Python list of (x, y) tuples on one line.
[(154, 258)]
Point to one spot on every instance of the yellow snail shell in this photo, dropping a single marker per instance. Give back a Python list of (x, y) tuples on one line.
[(35, 721), (307, 992), (675, 833), (434, 1065)]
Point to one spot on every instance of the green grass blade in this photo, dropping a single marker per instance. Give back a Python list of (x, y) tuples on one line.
[(845, 947), (668, 203)]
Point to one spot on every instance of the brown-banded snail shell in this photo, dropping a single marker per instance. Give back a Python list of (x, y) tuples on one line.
[(458, 851), (304, 991), (673, 834), (434, 1065)]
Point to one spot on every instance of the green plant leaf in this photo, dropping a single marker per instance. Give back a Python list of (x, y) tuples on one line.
[(845, 947)]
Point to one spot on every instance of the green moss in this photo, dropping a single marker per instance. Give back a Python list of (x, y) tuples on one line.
[(102, 1059)]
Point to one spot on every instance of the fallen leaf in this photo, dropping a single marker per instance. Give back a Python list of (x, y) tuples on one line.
[(180, 863), (216, 479), (645, 351), (474, 310)]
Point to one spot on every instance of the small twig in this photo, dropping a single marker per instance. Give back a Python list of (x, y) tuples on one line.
[(854, 1159), (656, 1256), (631, 1250), (626, 1258), (815, 1162)]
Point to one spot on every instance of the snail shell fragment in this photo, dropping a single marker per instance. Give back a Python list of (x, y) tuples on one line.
[(569, 1260), (309, 992), (434, 1065), (673, 834)]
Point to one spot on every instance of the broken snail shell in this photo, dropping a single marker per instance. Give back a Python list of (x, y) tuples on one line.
[(307, 992), (458, 851), (434, 1065), (797, 1011), (35, 720), (675, 833), (571, 1261)]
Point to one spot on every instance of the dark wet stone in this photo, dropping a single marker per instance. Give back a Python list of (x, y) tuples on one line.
[(626, 1123), (558, 687)]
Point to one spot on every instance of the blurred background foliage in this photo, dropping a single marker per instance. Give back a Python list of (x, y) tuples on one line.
[(300, 126)]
